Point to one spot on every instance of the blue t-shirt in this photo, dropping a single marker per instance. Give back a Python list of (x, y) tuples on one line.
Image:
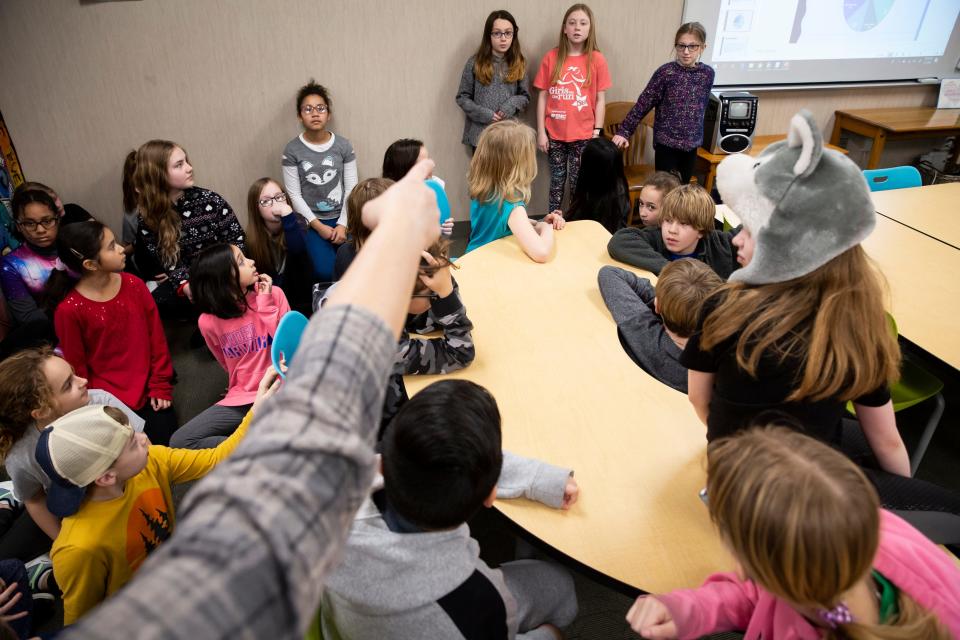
[(488, 221)]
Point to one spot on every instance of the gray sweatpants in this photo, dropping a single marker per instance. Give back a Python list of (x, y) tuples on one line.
[(209, 428), (544, 593)]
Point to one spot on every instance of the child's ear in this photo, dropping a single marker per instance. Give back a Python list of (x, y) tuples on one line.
[(108, 479), (656, 305), (42, 414), (90, 265), (491, 498)]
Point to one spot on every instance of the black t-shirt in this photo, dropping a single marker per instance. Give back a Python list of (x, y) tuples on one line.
[(738, 398)]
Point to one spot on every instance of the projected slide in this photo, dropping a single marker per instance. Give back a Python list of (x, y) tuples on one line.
[(863, 15), (785, 30)]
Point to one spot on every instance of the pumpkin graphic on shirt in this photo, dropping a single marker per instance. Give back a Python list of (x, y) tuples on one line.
[(148, 525)]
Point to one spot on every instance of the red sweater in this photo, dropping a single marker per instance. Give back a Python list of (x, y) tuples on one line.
[(117, 345)]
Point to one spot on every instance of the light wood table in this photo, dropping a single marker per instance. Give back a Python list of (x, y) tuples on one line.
[(707, 162), (548, 351), (921, 273), (933, 210), (900, 123)]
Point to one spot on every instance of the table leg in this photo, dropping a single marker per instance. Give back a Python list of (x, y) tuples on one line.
[(711, 177), (879, 141), (837, 128)]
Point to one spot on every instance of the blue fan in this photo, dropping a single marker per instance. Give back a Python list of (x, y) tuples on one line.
[(287, 339)]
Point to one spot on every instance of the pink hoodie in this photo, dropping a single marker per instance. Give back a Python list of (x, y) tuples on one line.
[(912, 563), (242, 345)]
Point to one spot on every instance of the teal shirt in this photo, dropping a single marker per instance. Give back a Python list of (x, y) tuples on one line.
[(488, 221)]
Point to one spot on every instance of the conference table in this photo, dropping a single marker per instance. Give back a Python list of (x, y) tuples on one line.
[(933, 210), (568, 394), (910, 245)]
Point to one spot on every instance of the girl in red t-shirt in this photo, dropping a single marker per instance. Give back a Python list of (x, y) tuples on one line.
[(573, 80)]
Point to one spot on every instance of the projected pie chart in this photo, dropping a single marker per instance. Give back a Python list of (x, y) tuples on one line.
[(863, 15)]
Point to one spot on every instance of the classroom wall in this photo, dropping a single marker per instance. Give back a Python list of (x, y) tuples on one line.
[(86, 81)]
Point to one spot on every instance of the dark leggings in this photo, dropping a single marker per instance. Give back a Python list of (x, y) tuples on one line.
[(23, 539), (159, 425), (564, 158), (669, 159), (932, 509)]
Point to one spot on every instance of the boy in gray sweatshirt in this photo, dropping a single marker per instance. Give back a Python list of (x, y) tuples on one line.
[(410, 568), (654, 324)]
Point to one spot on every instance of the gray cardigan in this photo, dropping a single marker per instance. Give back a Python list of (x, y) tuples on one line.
[(480, 101)]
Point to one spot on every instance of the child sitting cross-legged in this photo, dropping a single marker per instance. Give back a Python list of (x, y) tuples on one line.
[(654, 325), (686, 231), (111, 487), (410, 568)]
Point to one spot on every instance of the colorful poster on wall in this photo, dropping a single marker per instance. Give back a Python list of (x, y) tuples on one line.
[(11, 176)]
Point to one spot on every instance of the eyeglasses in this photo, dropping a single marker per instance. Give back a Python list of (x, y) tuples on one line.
[(686, 47), (31, 225), (279, 199), (499, 35), (309, 108)]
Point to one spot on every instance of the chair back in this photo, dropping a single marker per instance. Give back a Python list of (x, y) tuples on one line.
[(892, 178), (613, 117), (286, 339)]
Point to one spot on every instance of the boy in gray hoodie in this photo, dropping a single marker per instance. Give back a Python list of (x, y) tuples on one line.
[(410, 568)]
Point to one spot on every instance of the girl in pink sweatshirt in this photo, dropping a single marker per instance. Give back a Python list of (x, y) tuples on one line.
[(816, 556), (239, 313)]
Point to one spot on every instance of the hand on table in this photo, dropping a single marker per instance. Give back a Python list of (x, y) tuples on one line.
[(570, 493), (555, 218)]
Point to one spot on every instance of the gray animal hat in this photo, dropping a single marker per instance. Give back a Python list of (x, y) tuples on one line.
[(803, 204)]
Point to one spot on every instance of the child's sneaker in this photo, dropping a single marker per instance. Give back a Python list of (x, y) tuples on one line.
[(40, 579), (7, 501)]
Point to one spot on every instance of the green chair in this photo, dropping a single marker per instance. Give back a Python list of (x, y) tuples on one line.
[(915, 385)]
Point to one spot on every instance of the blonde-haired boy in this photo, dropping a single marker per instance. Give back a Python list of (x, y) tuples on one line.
[(686, 231), (654, 324)]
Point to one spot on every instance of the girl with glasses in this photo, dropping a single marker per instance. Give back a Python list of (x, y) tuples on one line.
[(319, 171), (280, 243), (25, 270), (494, 83), (679, 91)]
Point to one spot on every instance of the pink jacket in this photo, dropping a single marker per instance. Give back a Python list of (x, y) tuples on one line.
[(242, 345), (911, 562)]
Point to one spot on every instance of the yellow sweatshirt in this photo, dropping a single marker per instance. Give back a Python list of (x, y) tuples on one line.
[(102, 545)]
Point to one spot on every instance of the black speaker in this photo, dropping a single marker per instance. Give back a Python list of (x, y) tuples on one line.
[(729, 122)]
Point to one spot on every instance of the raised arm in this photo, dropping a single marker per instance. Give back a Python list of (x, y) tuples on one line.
[(242, 563)]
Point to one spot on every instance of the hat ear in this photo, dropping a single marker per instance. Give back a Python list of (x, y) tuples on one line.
[(804, 133)]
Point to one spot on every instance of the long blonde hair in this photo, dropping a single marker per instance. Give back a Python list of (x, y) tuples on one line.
[(563, 49), (504, 164), (831, 320), (153, 197), (804, 523)]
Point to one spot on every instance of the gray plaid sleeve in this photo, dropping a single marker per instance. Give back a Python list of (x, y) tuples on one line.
[(260, 532)]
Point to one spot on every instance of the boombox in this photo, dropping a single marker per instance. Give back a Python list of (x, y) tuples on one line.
[(729, 122)]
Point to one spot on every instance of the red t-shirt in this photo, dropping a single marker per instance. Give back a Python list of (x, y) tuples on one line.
[(118, 345), (571, 105)]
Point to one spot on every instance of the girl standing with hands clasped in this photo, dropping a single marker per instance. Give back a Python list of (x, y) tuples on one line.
[(494, 82), (679, 90), (573, 79), (501, 172), (319, 171), (239, 313), (816, 556), (109, 327)]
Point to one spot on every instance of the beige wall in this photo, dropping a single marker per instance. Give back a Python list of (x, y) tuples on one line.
[(84, 82)]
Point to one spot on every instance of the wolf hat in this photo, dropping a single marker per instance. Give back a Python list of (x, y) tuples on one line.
[(803, 204)]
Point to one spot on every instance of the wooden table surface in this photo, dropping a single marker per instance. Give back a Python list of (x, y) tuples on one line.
[(933, 210), (548, 351), (922, 275)]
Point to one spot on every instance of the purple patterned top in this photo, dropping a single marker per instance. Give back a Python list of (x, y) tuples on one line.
[(680, 96), (23, 276)]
